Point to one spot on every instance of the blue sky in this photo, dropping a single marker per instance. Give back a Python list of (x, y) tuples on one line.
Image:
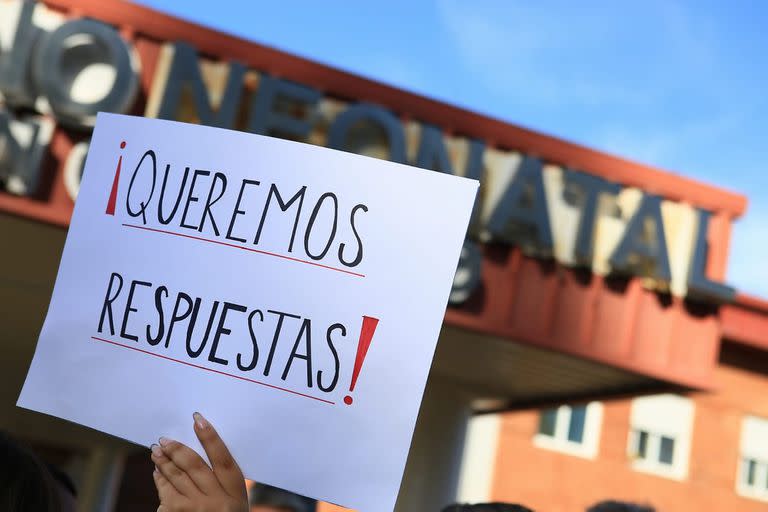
[(678, 85)]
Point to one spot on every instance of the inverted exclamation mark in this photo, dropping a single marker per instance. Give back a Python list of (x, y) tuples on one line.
[(113, 193), (366, 335)]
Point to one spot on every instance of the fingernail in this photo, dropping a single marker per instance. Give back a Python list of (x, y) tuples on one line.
[(156, 450), (164, 441), (200, 421)]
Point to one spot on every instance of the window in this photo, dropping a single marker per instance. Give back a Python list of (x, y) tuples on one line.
[(573, 429), (752, 473), (660, 435), (652, 447)]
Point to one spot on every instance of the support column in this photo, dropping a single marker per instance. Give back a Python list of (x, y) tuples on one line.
[(101, 480), (432, 472), (478, 466)]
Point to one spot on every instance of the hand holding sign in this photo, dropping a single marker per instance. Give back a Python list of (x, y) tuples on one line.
[(185, 481), (292, 292)]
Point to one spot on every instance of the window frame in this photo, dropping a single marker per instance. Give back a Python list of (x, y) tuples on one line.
[(588, 447), (681, 436), (653, 448), (759, 489)]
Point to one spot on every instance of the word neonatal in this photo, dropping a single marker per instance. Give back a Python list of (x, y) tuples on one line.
[(203, 328), (45, 54), (227, 209)]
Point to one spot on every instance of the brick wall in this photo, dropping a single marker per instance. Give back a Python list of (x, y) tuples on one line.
[(553, 482)]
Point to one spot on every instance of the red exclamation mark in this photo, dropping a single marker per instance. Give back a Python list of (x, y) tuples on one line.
[(366, 335), (113, 193)]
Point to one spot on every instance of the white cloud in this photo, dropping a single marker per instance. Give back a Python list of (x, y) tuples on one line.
[(583, 54), (511, 48)]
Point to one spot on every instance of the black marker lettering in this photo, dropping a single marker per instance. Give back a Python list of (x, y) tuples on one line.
[(107, 308), (195, 353), (142, 204), (255, 358), (359, 256), (176, 317), (238, 211), (221, 330), (129, 310), (306, 330), (162, 196), (335, 354), (160, 323), (208, 202), (191, 198), (284, 207), (278, 328), (311, 224)]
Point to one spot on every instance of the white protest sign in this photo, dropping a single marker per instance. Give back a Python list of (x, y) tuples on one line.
[(292, 294)]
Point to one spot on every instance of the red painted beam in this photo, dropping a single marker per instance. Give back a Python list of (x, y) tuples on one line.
[(611, 321), (746, 321)]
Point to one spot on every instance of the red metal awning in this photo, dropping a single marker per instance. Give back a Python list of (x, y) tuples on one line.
[(614, 322)]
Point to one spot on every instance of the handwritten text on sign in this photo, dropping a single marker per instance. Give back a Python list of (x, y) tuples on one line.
[(293, 294), (149, 193)]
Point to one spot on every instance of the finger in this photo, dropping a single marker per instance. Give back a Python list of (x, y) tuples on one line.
[(165, 491), (175, 476), (187, 460), (224, 466)]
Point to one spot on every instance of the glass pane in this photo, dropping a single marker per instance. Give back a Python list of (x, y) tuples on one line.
[(766, 480), (547, 422), (751, 467), (576, 427), (666, 450), (642, 443)]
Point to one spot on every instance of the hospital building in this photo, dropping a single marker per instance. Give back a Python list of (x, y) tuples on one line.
[(592, 348)]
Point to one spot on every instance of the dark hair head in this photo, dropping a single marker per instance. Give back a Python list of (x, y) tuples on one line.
[(25, 483), (488, 507), (261, 494), (618, 506)]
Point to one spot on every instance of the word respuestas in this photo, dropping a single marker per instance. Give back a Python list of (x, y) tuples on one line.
[(204, 333), (142, 200)]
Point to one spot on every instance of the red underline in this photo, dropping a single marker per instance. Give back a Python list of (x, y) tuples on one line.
[(212, 370), (243, 248)]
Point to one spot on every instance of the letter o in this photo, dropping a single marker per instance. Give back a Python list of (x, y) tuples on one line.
[(68, 51), (311, 224), (337, 135), (73, 168)]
